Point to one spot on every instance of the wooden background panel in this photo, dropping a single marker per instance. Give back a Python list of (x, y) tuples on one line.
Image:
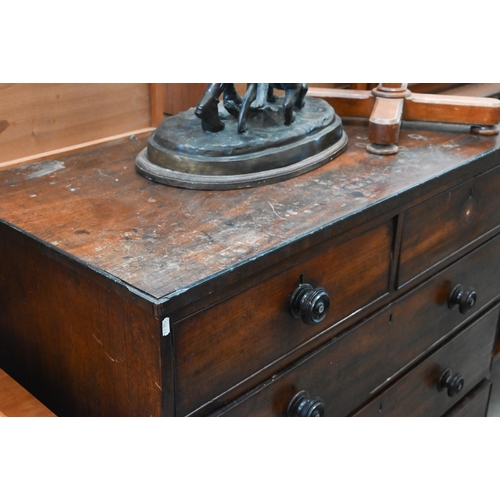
[(39, 118), (182, 96)]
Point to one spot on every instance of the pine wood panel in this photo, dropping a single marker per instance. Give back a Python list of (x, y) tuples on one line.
[(39, 118), (182, 96)]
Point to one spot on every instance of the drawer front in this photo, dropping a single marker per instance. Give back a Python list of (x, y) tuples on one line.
[(474, 404), (223, 345), (352, 366), (466, 359), (443, 225)]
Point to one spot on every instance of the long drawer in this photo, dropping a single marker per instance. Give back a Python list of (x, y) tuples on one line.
[(352, 367), (437, 383), (217, 348)]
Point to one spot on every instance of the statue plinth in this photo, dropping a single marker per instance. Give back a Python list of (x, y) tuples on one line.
[(181, 154)]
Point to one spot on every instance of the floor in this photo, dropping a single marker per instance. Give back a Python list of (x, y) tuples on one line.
[(494, 407), (15, 401)]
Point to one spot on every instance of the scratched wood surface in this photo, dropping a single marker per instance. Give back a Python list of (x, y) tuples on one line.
[(162, 240), (77, 347)]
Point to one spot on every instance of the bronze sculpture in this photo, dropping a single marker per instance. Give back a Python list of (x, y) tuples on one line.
[(256, 97), (244, 141), (258, 94), (207, 109)]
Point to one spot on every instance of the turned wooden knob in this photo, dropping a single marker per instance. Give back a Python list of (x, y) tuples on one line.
[(302, 405), (464, 299), (310, 304), (453, 383)]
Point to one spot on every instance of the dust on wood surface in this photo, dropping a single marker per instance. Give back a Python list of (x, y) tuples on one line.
[(161, 240)]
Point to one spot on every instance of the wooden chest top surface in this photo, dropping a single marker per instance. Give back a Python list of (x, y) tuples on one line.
[(162, 240)]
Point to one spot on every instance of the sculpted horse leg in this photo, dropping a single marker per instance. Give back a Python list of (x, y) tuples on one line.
[(232, 100), (248, 98), (258, 93), (262, 96), (292, 94), (207, 109), (304, 87), (270, 95)]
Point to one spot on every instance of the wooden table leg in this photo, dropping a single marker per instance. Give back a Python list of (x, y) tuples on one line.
[(385, 119), (384, 127)]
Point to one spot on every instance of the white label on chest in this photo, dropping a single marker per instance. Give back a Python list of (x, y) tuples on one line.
[(165, 326)]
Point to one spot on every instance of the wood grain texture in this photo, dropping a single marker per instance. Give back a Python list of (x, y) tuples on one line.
[(93, 257), (385, 121), (229, 342), (441, 226), (416, 393), (346, 102), (358, 364), (453, 109), (79, 348), (157, 100), (39, 118), (475, 89), (182, 96), (162, 240), (15, 401)]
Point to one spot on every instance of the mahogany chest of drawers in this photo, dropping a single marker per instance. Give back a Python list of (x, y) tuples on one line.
[(369, 287)]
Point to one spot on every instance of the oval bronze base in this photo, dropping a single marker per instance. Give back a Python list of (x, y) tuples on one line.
[(180, 154), (225, 182)]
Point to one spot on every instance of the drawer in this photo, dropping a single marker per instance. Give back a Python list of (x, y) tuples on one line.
[(223, 345), (353, 366), (443, 225), (464, 362), (474, 404)]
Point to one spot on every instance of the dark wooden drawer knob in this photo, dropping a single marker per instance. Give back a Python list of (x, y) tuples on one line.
[(453, 383), (464, 299), (310, 304), (302, 405)]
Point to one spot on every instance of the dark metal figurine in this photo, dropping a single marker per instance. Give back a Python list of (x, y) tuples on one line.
[(181, 153), (256, 97), (207, 107), (258, 94)]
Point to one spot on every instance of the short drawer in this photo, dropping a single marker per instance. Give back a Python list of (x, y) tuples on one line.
[(437, 228), (474, 404), (355, 365), (221, 346), (437, 383)]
